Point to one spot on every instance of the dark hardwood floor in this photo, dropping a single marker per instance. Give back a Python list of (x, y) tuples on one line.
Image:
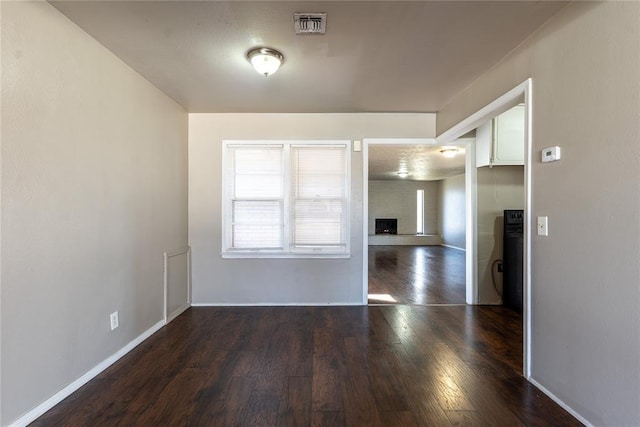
[(388, 365), (416, 275)]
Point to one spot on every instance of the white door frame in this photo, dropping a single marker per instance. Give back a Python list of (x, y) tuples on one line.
[(478, 118)]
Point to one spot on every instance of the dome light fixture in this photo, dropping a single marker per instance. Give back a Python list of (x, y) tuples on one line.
[(403, 174), (449, 152), (265, 60)]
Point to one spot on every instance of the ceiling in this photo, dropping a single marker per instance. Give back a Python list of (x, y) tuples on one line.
[(421, 162), (377, 56)]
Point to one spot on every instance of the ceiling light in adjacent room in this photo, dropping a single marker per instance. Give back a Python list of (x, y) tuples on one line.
[(265, 60), (403, 174), (449, 151)]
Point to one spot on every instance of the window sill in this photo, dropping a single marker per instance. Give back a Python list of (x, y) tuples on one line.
[(233, 255)]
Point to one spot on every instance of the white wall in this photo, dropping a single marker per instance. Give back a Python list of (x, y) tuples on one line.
[(498, 188), (397, 199), (585, 295), (278, 281), (94, 190), (452, 211)]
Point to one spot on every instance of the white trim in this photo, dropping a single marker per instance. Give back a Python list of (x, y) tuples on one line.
[(402, 141), (165, 285), (471, 224), (189, 278), (454, 247), (168, 317), (224, 207), (498, 106), (420, 212), (258, 254), (177, 252), (178, 312), (33, 414), (288, 249), (365, 222), (528, 213), (286, 209), (275, 304), (559, 401), (484, 114)]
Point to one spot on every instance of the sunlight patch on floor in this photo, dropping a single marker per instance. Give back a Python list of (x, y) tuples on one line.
[(382, 297)]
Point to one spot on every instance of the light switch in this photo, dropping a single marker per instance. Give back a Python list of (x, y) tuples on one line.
[(543, 226), (357, 145)]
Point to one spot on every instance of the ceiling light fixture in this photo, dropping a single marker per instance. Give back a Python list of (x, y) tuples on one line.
[(403, 174), (265, 60), (449, 151)]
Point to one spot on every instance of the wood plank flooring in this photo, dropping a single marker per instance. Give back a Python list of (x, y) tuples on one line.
[(388, 365), (416, 275)]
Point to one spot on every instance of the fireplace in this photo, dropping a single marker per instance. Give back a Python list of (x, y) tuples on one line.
[(386, 226)]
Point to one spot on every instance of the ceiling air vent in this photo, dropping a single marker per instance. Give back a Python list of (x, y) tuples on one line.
[(310, 23)]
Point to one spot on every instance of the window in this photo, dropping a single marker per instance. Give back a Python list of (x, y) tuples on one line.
[(286, 198), (420, 212), (258, 198)]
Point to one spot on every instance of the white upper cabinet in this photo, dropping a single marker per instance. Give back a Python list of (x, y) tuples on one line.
[(501, 140)]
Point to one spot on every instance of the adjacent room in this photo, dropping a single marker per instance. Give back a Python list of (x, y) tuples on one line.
[(305, 213), (426, 200), (416, 223)]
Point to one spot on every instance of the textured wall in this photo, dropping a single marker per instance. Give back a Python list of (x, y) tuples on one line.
[(452, 211), (397, 199), (94, 190), (585, 65), (278, 281)]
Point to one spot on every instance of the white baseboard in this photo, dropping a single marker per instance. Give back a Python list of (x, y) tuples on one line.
[(31, 416), (178, 312), (561, 403), (276, 304), (454, 247)]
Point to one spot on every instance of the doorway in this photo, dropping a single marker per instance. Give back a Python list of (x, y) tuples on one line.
[(521, 93), (407, 262)]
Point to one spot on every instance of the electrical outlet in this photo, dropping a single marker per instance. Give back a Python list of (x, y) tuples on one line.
[(114, 320)]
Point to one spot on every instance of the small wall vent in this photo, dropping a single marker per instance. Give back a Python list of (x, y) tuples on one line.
[(310, 23)]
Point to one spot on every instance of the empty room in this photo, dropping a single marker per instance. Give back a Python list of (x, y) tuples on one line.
[(299, 212)]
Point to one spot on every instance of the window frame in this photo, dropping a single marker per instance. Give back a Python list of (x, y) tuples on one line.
[(288, 250), (420, 211)]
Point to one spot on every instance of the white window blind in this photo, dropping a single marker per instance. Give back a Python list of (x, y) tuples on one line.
[(287, 199), (318, 178), (257, 197)]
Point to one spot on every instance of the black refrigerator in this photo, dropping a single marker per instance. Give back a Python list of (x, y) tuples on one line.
[(512, 259)]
